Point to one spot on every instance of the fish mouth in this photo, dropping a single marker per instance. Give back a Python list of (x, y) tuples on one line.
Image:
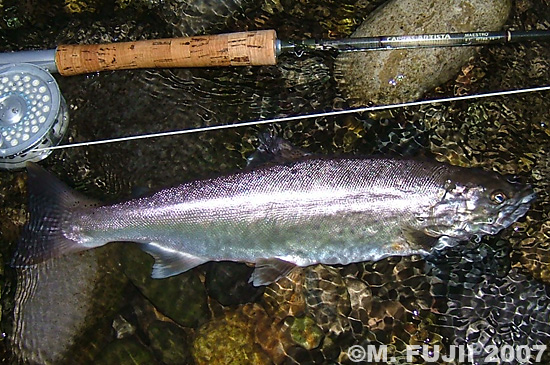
[(511, 212), (529, 198)]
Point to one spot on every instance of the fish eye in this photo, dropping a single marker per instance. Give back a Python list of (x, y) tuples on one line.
[(498, 197)]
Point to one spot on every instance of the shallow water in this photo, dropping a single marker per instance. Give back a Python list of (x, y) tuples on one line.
[(493, 291)]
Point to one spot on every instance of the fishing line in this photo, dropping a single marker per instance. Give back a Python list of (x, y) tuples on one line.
[(293, 118)]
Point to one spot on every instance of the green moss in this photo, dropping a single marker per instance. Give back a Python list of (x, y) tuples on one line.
[(228, 340), (306, 333)]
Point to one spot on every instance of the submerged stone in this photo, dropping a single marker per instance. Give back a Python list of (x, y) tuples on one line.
[(182, 298), (286, 297), (227, 282), (327, 298), (305, 332), (385, 77), (231, 338), (531, 238), (67, 295), (169, 342), (125, 351)]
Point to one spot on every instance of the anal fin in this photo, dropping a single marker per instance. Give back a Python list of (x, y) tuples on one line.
[(270, 270), (170, 262)]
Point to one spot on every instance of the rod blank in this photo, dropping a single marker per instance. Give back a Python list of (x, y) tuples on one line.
[(413, 41)]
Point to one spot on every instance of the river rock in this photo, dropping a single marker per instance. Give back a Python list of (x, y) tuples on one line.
[(58, 300), (227, 282), (125, 351), (181, 298), (230, 339), (386, 77), (169, 342)]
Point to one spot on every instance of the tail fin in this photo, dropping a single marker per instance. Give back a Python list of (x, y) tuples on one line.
[(51, 206)]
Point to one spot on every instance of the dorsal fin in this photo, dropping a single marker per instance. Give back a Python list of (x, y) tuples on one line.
[(274, 150)]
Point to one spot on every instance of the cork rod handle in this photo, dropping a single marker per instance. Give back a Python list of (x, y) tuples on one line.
[(253, 48)]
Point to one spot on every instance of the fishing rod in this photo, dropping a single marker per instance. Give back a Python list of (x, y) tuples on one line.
[(253, 48), (34, 115)]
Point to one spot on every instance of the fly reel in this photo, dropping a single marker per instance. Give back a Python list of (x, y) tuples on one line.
[(33, 115)]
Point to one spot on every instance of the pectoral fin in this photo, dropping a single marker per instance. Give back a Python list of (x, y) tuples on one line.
[(169, 262), (419, 239), (270, 270)]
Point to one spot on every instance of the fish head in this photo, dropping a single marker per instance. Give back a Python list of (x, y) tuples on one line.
[(476, 202)]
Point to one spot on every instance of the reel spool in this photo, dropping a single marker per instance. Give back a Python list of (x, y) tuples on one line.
[(33, 114)]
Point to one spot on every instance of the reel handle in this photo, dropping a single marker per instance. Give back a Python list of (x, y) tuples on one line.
[(252, 48)]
